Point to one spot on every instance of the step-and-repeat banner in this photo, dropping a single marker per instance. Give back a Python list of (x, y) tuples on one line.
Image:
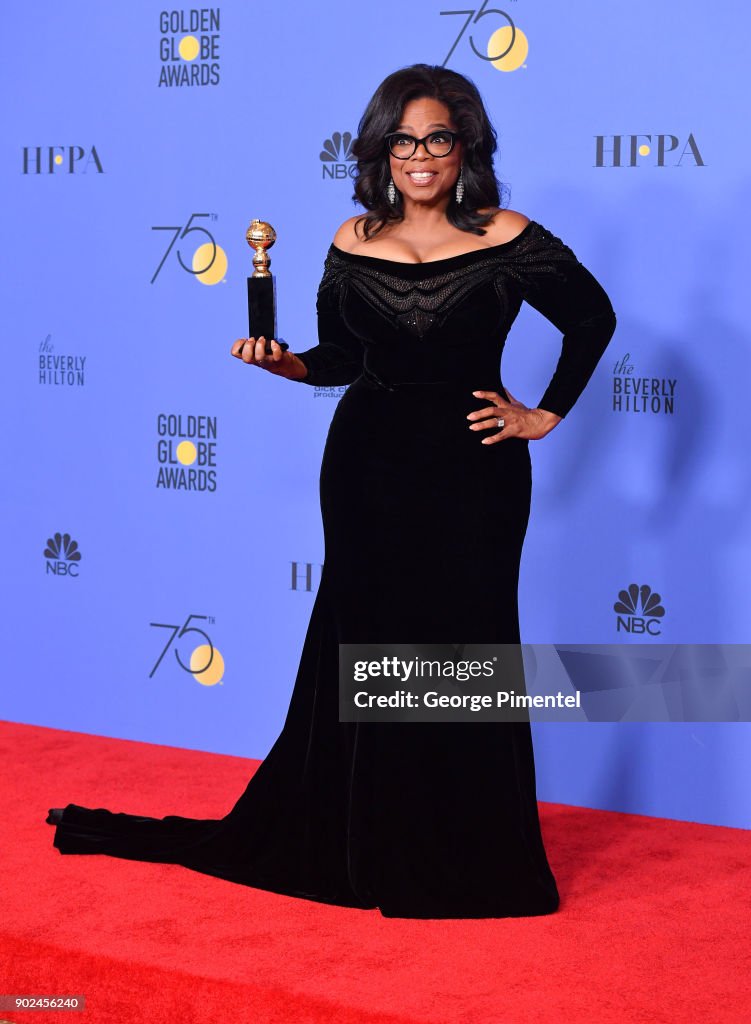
[(160, 498)]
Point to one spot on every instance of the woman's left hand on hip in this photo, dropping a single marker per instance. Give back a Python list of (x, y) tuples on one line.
[(518, 419)]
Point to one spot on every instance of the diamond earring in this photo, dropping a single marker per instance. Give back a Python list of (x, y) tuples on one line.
[(391, 191), (460, 185)]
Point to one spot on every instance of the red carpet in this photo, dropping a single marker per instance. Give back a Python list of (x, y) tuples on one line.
[(654, 924)]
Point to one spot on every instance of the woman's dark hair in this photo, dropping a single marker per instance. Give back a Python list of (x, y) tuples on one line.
[(383, 114)]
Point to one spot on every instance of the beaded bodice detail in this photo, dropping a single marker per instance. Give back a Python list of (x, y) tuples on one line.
[(397, 323), (420, 296)]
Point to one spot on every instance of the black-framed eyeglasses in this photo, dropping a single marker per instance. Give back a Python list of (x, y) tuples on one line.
[(438, 143)]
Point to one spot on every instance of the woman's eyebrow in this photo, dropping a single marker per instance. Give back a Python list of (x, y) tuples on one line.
[(402, 127)]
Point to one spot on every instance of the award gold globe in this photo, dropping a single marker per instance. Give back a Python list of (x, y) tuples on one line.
[(260, 236)]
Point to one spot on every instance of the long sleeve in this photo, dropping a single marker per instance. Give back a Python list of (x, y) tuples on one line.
[(338, 357), (561, 288)]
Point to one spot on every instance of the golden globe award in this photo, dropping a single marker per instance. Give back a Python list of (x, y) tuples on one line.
[(260, 236)]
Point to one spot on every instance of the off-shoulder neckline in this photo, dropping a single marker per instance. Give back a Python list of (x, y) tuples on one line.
[(487, 249)]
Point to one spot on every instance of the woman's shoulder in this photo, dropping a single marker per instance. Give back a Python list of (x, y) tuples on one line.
[(505, 225), (347, 234)]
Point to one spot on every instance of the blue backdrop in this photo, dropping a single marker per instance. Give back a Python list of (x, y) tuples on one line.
[(160, 499)]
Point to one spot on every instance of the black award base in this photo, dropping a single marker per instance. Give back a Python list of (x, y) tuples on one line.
[(262, 311)]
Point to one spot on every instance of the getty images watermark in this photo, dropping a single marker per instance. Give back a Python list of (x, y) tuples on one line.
[(651, 682)]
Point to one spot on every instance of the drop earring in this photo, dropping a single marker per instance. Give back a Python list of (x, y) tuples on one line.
[(460, 185), (391, 191)]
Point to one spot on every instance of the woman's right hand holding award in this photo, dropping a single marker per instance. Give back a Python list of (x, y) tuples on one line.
[(279, 361), (270, 355)]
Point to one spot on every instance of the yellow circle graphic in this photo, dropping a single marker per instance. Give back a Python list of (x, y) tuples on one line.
[(500, 41), (58, 159), (188, 48), (206, 271), (207, 674), (644, 149), (186, 453)]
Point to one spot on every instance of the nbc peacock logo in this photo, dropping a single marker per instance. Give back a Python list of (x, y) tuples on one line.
[(62, 555), (639, 610), (336, 157)]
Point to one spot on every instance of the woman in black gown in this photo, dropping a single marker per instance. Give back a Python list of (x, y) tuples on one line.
[(425, 495)]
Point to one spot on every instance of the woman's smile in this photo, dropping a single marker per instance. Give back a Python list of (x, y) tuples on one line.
[(422, 177)]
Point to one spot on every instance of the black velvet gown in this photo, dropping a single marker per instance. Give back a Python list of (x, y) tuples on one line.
[(423, 529)]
